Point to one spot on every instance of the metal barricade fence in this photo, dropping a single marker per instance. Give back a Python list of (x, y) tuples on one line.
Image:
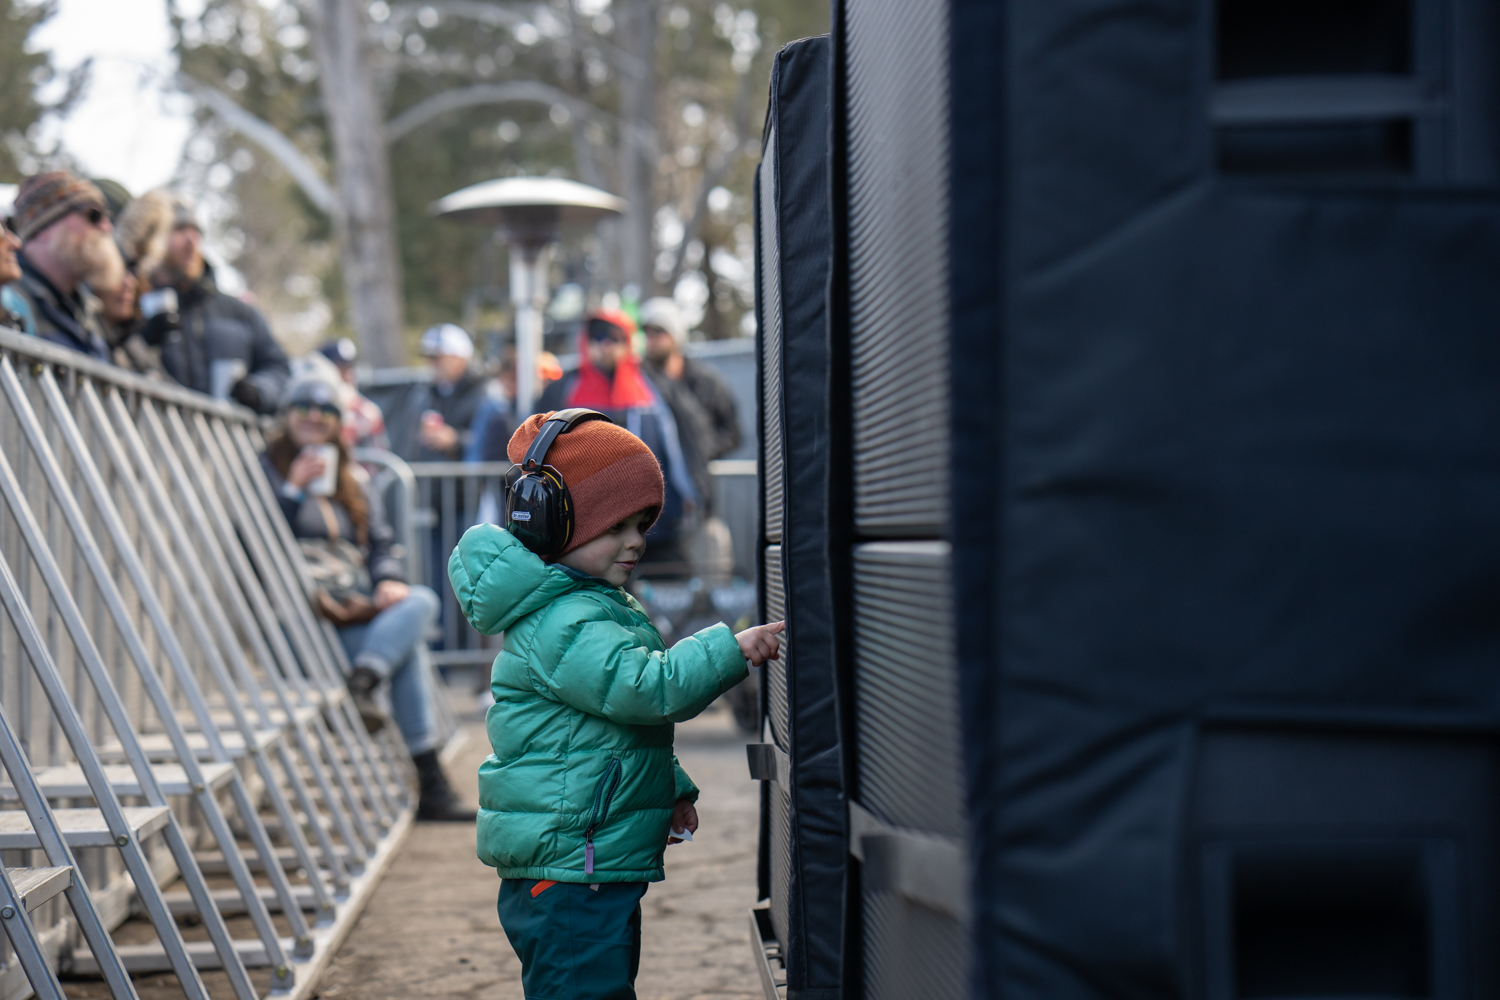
[(177, 742), (431, 505)]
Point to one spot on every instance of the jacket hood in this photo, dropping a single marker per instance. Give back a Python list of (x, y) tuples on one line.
[(499, 581)]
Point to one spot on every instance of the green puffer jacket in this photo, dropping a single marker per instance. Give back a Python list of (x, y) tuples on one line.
[(585, 697)]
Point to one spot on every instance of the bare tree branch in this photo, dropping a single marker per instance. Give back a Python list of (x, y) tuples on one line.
[(264, 135), (713, 174), (510, 16), (531, 91)]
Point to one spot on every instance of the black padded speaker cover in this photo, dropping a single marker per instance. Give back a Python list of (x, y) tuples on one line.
[(1220, 472), (1227, 559), (806, 849)]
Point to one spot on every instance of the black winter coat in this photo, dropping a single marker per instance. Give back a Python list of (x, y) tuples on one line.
[(458, 407), (218, 327), (70, 320)]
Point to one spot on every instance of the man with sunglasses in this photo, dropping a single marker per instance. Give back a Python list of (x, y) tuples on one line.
[(64, 226)]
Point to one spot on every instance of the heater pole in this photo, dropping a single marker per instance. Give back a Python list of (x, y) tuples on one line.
[(528, 294)]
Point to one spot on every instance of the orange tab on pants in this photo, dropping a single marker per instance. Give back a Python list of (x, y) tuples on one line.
[(542, 887)]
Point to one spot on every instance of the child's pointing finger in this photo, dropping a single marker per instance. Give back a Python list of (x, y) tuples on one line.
[(759, 643)]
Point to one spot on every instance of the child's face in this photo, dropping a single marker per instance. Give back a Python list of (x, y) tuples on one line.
[(613, 555)]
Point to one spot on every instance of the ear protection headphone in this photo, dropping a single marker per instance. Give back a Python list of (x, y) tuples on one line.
[(538, 507)]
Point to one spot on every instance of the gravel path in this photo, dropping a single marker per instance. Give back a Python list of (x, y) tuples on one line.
[(431, 928)]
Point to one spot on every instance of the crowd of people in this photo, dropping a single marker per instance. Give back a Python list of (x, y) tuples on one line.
[(583, 792), (123, 280)]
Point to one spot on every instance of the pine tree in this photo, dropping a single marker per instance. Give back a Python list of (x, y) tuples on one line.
[(21, 73)]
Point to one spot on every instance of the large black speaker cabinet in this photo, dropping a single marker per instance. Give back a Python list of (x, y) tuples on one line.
[(1171, 338), (803, 839)]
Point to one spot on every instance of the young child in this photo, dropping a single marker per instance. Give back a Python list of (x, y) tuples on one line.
[(582, 790)]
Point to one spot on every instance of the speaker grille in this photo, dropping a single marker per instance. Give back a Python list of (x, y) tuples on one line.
[(781, 858), (898, 263), (911, 952), (770, 279), (906, 688), (776, 670)]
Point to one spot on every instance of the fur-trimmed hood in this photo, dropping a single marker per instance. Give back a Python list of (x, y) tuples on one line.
[(143, 229)]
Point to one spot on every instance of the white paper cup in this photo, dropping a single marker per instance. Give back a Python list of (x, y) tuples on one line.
[(325, 484), (223, 373)]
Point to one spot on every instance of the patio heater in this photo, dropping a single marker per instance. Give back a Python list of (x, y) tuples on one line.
[(529, 213)]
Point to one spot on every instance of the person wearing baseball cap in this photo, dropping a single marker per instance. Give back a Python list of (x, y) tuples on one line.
[(364, 424), (65, 230), (453, 397)]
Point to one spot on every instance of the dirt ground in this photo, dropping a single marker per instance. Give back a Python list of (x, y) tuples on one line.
[(431, 928)]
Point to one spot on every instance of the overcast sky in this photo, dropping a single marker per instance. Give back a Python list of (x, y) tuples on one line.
[(129, 127)]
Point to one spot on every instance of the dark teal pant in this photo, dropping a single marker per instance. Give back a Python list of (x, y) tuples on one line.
[(574, 943)]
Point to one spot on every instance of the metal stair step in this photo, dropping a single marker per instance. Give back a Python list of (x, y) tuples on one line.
[(152, 957), (231, 904), (301, 716), (212, 862), (34, 886), (80, 827), (158, 746), (67, 781)]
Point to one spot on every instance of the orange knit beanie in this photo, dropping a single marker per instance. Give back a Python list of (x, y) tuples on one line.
[(610, 473)]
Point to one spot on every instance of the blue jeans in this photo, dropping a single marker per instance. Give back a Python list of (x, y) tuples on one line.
[(391, 644)]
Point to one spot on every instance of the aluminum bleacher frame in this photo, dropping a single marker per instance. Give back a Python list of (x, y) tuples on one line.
[(180, 687)]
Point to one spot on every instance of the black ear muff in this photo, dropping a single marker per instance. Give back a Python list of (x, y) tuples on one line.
[(538, 507)]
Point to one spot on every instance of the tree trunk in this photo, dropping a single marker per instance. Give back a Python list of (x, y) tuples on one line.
[(366, 216), (637, 36)]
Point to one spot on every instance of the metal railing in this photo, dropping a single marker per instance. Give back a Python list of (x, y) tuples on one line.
[(177, 740), (431, 505)]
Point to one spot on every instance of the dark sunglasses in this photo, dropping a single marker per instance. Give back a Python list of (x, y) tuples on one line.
[(94, 215), (327, 409), (600, 329)]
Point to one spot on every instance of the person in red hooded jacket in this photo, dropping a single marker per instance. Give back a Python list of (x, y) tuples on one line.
[(609, 379)]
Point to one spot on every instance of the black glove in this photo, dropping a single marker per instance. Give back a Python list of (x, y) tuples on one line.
[(156, 328), (245, 393)]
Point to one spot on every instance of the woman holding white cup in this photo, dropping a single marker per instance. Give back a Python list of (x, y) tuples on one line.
[(362, 588)]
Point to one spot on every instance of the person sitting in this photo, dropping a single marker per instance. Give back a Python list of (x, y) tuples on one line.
[(381, 620), (64, 226)]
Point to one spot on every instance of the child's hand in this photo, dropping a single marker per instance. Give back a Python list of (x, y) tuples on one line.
[(759, 643), (684, 817)]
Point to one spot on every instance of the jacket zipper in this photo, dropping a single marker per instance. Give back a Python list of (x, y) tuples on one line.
[(604, 793)]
